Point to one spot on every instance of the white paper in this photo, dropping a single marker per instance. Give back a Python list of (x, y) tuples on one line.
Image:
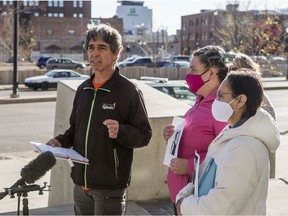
[(63, 153), (174, 140), (196, 173)]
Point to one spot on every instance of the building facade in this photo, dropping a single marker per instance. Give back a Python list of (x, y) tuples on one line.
[(59, 26), (136, 17), (241, 28)]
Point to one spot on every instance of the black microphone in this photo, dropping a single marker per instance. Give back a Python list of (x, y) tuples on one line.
[(37, 168), (34, 170)]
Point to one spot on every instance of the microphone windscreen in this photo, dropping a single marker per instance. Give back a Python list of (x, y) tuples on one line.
[(37, 168)]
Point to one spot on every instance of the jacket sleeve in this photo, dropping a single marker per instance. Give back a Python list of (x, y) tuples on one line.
[(137, 131), (235, 180)]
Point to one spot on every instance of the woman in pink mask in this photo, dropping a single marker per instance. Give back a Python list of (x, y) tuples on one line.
[(208, 70)]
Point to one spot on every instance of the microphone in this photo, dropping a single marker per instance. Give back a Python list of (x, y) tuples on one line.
[(34, 170), (37, 168)]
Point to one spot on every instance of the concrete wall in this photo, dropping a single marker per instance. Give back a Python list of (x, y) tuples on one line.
[(148, 171)]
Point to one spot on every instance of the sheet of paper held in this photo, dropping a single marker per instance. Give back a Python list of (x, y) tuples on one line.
[(174, 140)]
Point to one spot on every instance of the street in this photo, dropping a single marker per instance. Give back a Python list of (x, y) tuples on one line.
[(22, 123), (280, 103)]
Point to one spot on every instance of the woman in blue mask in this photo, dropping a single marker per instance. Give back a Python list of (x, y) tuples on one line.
[(208, 70), (238, 182)]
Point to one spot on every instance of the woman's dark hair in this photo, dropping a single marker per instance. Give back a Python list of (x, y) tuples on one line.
[(248, 82), (106, 33), (213, 56)]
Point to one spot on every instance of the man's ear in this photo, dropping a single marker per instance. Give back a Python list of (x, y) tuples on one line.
[(115, 55), (241, 100)]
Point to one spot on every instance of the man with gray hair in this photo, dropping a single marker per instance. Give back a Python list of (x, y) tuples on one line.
[(108, 121)]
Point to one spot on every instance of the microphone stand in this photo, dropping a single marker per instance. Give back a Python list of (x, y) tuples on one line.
[(22, 190)]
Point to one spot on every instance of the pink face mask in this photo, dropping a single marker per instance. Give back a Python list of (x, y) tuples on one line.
[(194, 81)]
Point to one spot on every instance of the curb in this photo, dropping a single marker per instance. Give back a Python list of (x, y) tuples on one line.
[(26, 100)]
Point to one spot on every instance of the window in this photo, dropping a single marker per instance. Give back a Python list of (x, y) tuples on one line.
[(71, 32), (49, 32), (74, 15), (36, 14), (49, 3), (55, 14), (55, 3), (80, 15), (50, 14), (10, 2), (74, 3), (61, 3), (61, 15), (80, 3), (74, 75)]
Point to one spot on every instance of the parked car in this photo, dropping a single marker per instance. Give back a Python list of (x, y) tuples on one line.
[(139, 61), (64, 63), (180, 58), (51, 78), (279, 59), (41, 62), (178, 64), (175, 89), (129, 59), (161, 63)]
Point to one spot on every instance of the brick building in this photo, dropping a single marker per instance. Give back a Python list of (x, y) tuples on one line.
[(59, 26), (198, 30)]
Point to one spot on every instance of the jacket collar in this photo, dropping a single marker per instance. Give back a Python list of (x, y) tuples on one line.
[(108, 84)]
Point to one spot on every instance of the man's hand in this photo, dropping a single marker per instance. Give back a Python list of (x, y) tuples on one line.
[(113, 128), (54, 143), (168, 131)]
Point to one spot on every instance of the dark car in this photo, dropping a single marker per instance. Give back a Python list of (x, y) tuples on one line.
[(140, 61), (178, 64), (64, 63), (180, 58), (41, 62), (161, 63)]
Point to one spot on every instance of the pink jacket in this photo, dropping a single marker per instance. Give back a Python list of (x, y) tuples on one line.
[(199, 131)]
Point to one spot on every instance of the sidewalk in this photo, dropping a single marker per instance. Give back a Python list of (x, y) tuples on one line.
[(12, 163)]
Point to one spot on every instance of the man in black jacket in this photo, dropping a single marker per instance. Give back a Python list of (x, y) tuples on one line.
[(108, 121)]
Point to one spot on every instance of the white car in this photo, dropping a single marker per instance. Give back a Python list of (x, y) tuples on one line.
[(175, 89), (51, 78)]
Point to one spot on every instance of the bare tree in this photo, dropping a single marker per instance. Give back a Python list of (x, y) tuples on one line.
[(26, 36), (6, 32)]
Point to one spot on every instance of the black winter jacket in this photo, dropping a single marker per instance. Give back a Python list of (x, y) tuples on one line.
[(110, 160)]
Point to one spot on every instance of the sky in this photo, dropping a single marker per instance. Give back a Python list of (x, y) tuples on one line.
[(167, 13)]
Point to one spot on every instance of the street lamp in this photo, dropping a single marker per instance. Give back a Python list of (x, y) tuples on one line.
[(286, 56), (15, 93)]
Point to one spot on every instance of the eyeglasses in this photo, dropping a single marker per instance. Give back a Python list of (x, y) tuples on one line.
[(220, 94)]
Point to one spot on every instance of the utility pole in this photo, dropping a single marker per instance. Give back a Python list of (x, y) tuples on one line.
[(15, 93)]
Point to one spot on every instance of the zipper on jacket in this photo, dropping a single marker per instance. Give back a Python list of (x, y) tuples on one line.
[(88, 127), (116, 161)]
